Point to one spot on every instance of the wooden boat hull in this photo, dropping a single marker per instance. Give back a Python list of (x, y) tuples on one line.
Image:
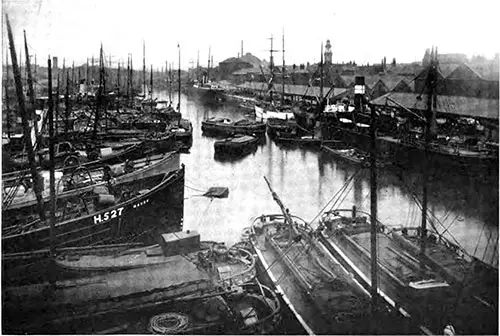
[(159, 209), (298, 141), (188, 302), (307, 294), (411, 155), (149, 166), (402, 282), (477, 308), (236, 265), (275, 126), (228, 148), (222, 129)]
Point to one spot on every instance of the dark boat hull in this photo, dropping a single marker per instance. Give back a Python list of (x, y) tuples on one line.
[(141, 219), (206, 94), (412, 155), (154, 209), (226, 149), (218, 128)]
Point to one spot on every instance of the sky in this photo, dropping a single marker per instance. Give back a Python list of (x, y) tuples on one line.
[(363, 31)]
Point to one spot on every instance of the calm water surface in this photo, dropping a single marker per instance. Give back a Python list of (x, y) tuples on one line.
[(306, 180)]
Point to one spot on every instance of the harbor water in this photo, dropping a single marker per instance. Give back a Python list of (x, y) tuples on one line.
[(306, 180)]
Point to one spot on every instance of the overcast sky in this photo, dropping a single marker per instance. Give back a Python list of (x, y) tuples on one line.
[(363, 30)]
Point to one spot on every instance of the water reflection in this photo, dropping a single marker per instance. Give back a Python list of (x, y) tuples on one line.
[(306, 180)]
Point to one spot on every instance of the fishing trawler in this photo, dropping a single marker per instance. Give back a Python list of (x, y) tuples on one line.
[(19, 192), (179, 289), (233, 265)]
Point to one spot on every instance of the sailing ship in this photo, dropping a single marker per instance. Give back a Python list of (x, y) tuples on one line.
[(266, 110)]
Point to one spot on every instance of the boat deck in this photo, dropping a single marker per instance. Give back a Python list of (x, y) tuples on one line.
[(396, 270), (293, 291), (177, 271), (479, 280), (321, 293), (405, 267)]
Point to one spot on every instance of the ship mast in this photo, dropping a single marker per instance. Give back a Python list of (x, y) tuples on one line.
[(25, 124), (179, 79), (67, 103), (151, 83), (198, 66), (286, 213), (283, 73), (271, 69), (170, 84), (321, 75), (373, 213), (7, 98), (31, 94), (431, 102), (208, 69), (118, 78), (52, 163), (144, 67)]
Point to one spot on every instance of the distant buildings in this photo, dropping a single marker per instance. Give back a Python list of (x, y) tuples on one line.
[(459, 76)]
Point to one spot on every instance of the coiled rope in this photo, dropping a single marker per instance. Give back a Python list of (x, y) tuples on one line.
[(168, 323)]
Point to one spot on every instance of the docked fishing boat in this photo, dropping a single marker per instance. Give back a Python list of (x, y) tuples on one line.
[(275, 125), (19, 194), (235, 146), (180, 302), (183, 133), (351, 155), (191, 274), (165, 110), (106, 213), (475, 280), (226, 126), (468, 159), (321, 293), (421, 292), (304, 140), (68, 155), (227, 266), (318, 289)]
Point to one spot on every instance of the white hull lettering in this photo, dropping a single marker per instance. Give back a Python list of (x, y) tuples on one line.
[(106, 216)]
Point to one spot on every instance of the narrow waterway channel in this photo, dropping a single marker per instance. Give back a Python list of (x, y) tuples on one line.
[(307, 179)]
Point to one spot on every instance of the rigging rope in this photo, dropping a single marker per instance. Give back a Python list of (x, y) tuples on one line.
[(195, 189), (336, 195)]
